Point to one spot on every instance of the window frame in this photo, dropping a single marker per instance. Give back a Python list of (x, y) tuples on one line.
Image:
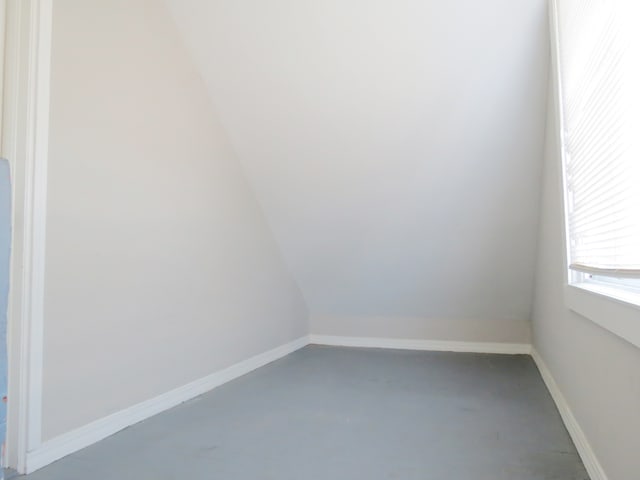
[(615, 309)]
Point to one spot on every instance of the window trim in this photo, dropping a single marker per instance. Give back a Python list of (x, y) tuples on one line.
[(614, 314), (597, 303)]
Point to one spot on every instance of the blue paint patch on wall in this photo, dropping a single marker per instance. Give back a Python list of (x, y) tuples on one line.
[(5, 245)]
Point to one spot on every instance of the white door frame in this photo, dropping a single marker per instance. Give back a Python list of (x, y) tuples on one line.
[(3, 24), (25, 130)]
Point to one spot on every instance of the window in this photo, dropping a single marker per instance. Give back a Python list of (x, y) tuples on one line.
[(597, 47), (600, 85)]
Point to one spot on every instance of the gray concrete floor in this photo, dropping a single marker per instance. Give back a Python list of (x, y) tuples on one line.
[(9, 474), (326, 413)]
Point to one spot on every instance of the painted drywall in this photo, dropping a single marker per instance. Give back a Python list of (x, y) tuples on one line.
[(597, 372), (160, 266), (395, 148), (421, 328), (5, 246)]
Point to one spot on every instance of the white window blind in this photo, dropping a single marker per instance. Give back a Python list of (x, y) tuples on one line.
[(599, 65)]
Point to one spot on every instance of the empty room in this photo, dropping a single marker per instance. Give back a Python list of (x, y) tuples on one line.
[(320, 239)]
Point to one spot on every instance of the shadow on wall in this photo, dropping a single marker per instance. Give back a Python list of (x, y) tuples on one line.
[(5, 240)]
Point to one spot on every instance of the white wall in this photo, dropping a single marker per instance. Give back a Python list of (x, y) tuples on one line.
[(160, 266), (598, 373), (395, 148)]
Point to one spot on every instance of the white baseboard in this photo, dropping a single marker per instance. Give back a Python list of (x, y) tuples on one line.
[(71, 442), (428, 345), (588, 456)]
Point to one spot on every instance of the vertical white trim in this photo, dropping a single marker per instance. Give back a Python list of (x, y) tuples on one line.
[(38, 147), (3, 30), (556, 92), (26, 146)]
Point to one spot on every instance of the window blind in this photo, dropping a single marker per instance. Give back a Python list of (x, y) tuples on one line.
[(599, 60)]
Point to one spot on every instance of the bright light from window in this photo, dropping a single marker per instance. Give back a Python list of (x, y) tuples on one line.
[(599, 46)]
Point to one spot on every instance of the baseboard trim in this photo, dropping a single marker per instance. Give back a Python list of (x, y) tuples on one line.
[(75, 440), (588, 456), (71, 442), (427, 345)]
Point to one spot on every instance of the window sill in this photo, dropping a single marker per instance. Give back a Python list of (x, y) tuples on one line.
[(608, 307)]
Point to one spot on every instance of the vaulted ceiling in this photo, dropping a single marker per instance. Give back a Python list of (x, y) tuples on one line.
[(394, 146)]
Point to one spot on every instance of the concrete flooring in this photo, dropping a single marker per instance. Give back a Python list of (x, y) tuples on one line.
[(326, 413)]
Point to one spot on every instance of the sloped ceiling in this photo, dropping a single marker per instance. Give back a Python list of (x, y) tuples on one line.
[(394, 145)]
